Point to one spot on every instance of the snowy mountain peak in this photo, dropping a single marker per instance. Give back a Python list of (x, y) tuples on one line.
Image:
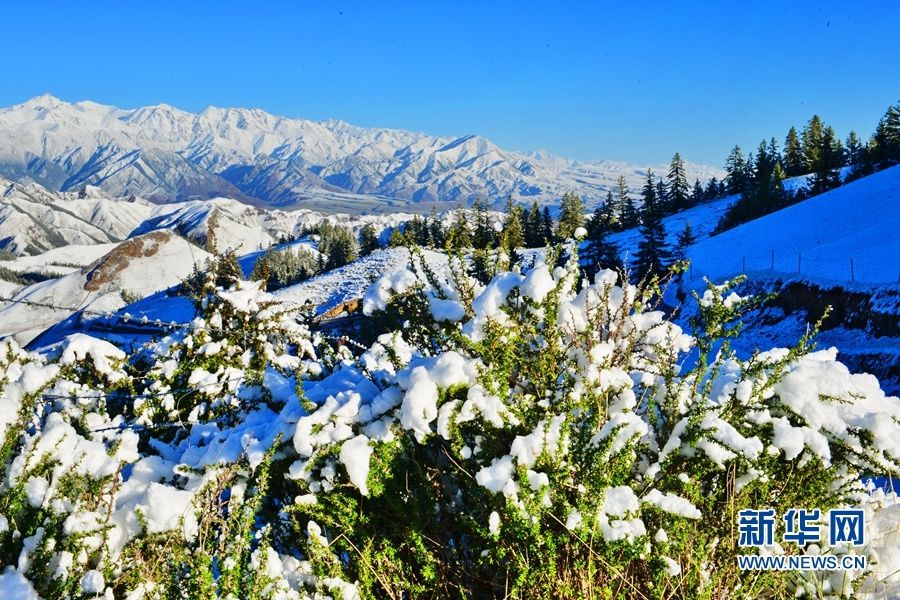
[(167, 154)]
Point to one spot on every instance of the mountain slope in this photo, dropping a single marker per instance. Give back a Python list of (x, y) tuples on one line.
[(136, 268), (34, 220), (816, 238), (166, 154)]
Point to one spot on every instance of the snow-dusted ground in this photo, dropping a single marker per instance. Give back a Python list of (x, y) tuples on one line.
[(139, 267), (816, 238), (350, 282), (59, 261), (703, 219)]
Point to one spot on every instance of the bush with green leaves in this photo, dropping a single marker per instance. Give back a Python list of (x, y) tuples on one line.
[(121, 476), (537, 436), (547, 436)]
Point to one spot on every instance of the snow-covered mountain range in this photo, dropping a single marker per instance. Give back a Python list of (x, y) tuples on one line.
[(34, 220), (165, 154)]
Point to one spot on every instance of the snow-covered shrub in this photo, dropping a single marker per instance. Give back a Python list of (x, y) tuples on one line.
[(535, 436), (217, 365), (102, 492), (553, 437)]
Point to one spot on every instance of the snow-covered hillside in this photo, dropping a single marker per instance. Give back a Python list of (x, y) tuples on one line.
[(166, 154), (351, 281), (858, 220), (816, 238), (134, 269)]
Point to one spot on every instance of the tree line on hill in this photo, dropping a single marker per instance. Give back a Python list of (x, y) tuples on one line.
[(756, 178), (815, 151), (482, 232)]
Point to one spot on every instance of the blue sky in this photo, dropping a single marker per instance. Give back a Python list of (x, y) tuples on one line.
[(629, 80)]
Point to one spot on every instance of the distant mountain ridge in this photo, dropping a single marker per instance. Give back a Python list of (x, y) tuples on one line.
[(166, 154)]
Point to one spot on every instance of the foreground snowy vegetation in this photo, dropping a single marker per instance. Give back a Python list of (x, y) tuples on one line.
[(542, 435)]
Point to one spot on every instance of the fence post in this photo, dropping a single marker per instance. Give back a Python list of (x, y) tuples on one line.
[(773, 259), (852, 274)]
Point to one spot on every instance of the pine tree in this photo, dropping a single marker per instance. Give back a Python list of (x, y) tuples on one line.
[(794, 161), (679, 191), (774, 154), (338, 246), (812, 143), (397, 238), (512, 236), (830, 158), (662, 197), (763, 191), (368, 240), (484, 235), (261, 272), (437, 234), (712, 190), (854, 150), (612, 207), (546, 225), (652, 255), (697, 193), (885, 143), (599, 252), (685, 239), (532, 226), (571, 216), (629, 215), (459, 236), (736, 169)]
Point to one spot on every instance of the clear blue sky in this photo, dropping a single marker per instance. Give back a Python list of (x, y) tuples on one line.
[(625, 80)]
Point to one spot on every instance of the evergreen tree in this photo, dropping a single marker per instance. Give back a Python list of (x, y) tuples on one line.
[(854, 149), (679, 192), (652, 255), (812, 143), (599, 252), (337, 245), (763, 192), (662, 197), (546, 225), (571, 215), (436, 231), (612, 207), (712, 189), (629, 215), (736, 169), (697, 193), (397, 238), (512, 236), (484, 235), (368, 240), (794, 161), (830, 158), (459, 235), (281, 268), (484, 264), (774, 154), (685, 239), (532, 226), (885, 143)]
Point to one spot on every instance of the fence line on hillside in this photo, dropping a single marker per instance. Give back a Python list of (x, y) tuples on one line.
[(796, 264)]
